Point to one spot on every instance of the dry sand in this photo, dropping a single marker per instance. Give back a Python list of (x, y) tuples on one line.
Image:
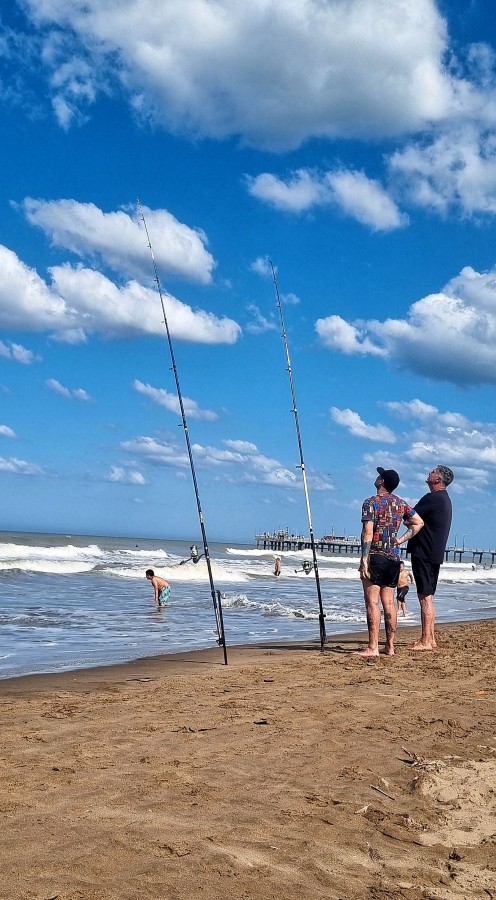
[(288, 774)]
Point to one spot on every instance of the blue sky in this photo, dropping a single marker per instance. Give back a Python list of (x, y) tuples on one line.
[(351, 143)]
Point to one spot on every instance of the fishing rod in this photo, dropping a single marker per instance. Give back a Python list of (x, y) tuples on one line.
[(323, 636), (216, 596)]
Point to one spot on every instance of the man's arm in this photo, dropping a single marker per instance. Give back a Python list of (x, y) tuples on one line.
[(366, 541), (413, 526), (155, 587)]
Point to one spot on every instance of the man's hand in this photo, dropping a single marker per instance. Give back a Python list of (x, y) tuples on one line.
[(364, 569), (366, 542), (413, 526)]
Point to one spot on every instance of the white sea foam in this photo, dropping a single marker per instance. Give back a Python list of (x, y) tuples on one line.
[(71, 602), (69, 551), (47, 566)]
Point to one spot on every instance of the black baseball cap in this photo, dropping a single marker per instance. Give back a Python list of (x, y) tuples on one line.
[(390, 478)]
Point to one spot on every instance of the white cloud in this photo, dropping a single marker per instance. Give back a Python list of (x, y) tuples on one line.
[(337, 334), (6, 431), (157, 452), (261, 266), (169, 401), (77, 394), (17, 352), (75, 86), (119, 239), (80, 394), (236, 461), (358, 428), (456, 169), (411, 409), (436, 437), (125, 476), (19, 467), (299, 193), (53, 385), (290, 299), (227, 68), (449, 336), (259, 323), (357, 196), (80, 302), (423, 412), (241, 446), (365, 200)]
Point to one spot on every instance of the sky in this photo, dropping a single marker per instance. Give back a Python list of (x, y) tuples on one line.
[(350, 143)]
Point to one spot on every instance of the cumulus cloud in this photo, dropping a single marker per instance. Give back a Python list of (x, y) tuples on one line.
[(365, 200), (119, 239), (300, 192), (417, 410), (235, 461), (75, 85), (337, 334), (17, 352), (357, 196), (224, 68), (448, 336), (169, 401), (6, 431), (432, 436), (259, 323), (358, 428), (19, 467), (290, 299), (125, 476), (241, 446), (69, 393), (261, 266), (80, 302), (455, 170)]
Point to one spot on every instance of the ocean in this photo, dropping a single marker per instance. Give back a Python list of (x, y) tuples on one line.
[(72, 601)]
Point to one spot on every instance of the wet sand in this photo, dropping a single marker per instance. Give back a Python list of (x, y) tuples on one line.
[(288, 773)]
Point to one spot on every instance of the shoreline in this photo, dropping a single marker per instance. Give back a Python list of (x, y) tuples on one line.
[(320, 776), (190, 660)]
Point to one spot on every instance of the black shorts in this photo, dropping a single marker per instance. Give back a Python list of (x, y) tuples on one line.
[(426, 575), (401, 593), (383, 570)]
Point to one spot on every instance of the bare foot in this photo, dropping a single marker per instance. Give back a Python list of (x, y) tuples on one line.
[(386, 652), (366, 652), (421, 645)]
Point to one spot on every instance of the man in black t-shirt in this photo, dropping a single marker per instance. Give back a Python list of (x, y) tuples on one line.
[(427, 548)]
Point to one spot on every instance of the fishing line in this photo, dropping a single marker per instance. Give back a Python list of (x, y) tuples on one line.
[(323, 636), (216, 596)]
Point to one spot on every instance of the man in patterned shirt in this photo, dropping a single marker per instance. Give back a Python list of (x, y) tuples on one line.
[(382, 516)]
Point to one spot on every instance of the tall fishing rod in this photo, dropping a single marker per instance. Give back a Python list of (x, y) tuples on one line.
[(302, 463), (216, 596)]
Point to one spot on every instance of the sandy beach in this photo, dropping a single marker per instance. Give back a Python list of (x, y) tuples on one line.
[(289, 772)]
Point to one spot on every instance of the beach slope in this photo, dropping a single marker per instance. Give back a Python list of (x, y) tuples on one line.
[(289, 773)]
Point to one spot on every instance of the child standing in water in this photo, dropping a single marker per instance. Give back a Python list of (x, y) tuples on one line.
[(160, 586), (402, 588)]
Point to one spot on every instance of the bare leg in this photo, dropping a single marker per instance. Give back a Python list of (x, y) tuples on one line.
[(390, 618), (372, 594), (427, 615)]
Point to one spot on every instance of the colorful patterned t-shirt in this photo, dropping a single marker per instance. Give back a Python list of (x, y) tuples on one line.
[(387, 512)]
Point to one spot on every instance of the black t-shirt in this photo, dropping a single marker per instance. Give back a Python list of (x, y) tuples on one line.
[(430, 542)]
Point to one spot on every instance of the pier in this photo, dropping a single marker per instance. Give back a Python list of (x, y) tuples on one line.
[(282, 539), (475, 556), (330, 543)]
